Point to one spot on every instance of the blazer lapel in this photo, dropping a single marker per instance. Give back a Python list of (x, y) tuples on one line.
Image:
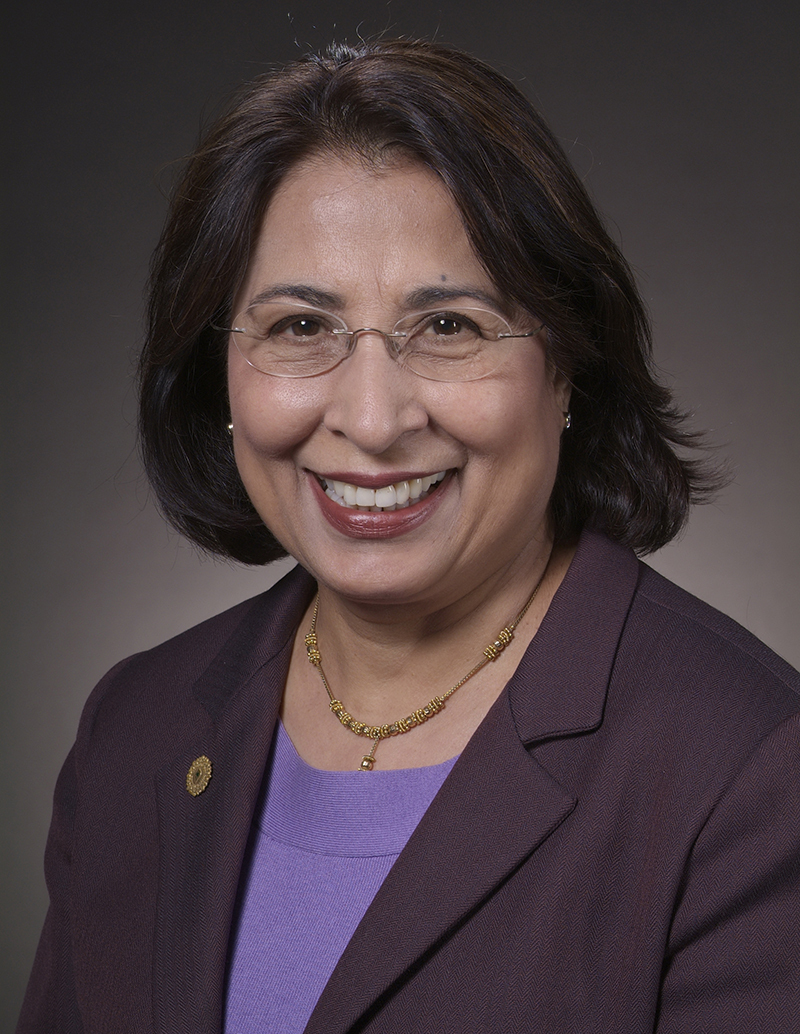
[(445, 871), (203, 837), (561, 684), (499, 804)]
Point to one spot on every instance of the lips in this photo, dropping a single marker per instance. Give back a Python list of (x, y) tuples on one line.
[(395, 496), (374, 522)]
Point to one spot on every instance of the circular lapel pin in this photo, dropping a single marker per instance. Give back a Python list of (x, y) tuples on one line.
[(198, 776)]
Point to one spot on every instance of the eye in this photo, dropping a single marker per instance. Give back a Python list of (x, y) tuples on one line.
[(299, 326), (268, 322), (449, 324), (445, 325)]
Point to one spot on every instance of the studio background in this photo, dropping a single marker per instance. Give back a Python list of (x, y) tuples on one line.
[(681, 118)]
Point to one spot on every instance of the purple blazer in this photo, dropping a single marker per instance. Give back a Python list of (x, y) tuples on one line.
[(617, 849)]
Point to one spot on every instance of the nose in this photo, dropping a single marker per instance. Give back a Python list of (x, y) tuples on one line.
[(373, 401)]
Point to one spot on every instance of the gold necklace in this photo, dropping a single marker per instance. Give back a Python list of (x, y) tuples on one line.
[(381, 732)]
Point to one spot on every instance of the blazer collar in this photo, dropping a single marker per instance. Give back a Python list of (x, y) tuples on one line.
[(560, 685)]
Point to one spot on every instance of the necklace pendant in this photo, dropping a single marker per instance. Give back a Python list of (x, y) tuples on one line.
[(366, 763)]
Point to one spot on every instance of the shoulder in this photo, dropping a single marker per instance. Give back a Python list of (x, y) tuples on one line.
[(688, 639), (669, 680), (695, 693), (665, 631), (160, 688), (652, 708)]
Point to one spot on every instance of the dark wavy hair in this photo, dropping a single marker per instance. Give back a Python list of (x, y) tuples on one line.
[(531, 223)]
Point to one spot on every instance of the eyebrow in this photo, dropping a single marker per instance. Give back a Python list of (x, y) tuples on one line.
[(416, 300), (426, 297), (303, 293)]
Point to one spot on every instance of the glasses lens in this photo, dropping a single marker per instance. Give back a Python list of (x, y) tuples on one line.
[(457, 345), (290, 340)]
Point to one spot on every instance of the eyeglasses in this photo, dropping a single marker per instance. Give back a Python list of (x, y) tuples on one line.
[(293, 340)]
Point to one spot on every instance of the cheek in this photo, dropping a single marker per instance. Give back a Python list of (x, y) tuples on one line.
[(520, 415), (271, 415)]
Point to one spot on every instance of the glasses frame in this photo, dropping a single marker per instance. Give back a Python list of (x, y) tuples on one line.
[(391, 339)]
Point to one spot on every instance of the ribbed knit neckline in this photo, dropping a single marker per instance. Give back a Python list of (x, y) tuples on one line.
[(348, 814)]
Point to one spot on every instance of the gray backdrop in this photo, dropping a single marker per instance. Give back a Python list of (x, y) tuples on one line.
[(680, 116)]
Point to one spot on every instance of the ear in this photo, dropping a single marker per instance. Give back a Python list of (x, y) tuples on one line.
[(562, 391)]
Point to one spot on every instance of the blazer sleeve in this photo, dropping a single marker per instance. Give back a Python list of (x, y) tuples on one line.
[(50, 1002), (734, 957)]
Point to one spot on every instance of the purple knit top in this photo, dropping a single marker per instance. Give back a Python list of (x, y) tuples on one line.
[(321, 846)]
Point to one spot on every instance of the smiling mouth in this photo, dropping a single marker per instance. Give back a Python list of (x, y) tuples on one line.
[(397, 496)]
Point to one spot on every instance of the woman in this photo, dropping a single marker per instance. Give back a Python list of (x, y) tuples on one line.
[(390, 336)]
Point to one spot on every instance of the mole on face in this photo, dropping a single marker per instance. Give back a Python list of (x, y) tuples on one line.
[(443, 277)]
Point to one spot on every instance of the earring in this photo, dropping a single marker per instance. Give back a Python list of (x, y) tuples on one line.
[(567, 421), (230, 428)]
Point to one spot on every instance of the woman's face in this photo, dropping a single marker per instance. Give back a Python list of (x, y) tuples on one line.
[(369, 243)]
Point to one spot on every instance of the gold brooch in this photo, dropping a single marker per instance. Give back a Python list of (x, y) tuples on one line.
[(198, 776)]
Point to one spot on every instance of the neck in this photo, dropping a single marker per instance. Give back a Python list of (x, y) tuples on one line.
[(379, 656), (385, 662)]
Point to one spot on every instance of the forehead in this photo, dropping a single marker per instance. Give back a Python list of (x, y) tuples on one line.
[(362, 233)]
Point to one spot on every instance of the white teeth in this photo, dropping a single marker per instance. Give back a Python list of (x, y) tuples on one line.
[(390, 497), (385, 497)]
